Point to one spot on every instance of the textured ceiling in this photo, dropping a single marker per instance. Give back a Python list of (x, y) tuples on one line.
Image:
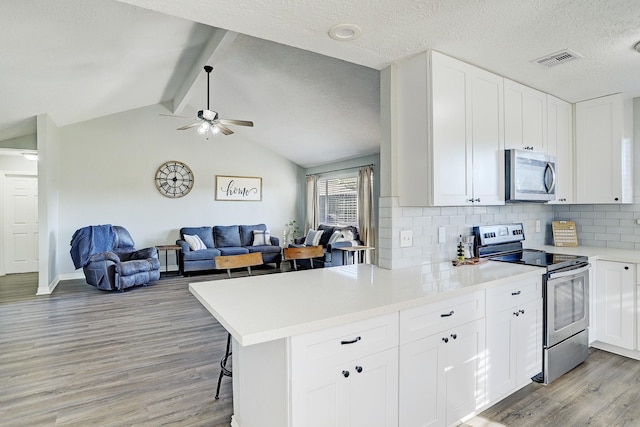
[(503, 36), (77, 60)]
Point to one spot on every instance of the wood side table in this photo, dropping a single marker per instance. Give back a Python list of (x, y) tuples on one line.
[(355, 250), (166, 249)]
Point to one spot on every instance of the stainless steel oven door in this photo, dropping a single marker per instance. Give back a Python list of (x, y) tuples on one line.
[(567, 304)]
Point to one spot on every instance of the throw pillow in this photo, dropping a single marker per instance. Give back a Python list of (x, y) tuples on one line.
[(195, 242), (335, 236), (347, 235), (261, 238), (313, 237)]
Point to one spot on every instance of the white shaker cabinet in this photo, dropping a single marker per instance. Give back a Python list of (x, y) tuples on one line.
[(604, 167), (347, 375), (560, 145), (525, 117), (359, 392), (450, 133), (615, 298), (441, 362), (514, 337)]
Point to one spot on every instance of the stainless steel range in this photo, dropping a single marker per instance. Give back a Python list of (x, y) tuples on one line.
[(565, 294)]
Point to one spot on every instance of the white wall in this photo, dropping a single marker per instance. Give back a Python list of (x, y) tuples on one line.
[(107, 168), (17, 163), (48, 190)]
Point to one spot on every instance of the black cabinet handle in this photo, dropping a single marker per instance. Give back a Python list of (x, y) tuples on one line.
[(447, 314), (515, 293), (626, 267), (454, 336), (515, 313), (359, 369), (353, 341), (521, 311), (445, 339), (345, 374)]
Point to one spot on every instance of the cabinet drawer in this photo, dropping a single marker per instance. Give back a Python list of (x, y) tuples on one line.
[(515, 293), (420, 322), (346, 342)]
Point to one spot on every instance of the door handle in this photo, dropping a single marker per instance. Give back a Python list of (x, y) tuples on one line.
[(549, 169), (353, 341)]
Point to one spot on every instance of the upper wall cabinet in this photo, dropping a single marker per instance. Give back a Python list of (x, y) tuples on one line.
[(450, 133), (560, 145), (525, 117), (603, 161)]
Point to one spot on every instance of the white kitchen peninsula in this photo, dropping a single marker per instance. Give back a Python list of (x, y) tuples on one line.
[(290, 330)]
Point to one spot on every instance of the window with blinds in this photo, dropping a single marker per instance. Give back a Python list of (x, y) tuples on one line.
[(338, 200)]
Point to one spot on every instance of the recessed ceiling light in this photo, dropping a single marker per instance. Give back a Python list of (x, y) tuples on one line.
[(345, 32)]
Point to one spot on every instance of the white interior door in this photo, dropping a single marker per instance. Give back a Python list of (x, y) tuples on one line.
[(20, 214)]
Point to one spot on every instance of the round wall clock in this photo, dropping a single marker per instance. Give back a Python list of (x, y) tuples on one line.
[(174, 179)]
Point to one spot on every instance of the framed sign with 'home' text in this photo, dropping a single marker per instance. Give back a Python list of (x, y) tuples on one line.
[(239, 188)]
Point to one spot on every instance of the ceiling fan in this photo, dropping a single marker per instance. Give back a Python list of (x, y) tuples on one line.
[(208, 120)]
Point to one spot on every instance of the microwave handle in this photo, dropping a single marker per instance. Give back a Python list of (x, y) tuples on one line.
[(550, 169)]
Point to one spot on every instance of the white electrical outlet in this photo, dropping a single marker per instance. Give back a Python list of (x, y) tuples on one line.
[(406, 238), (537, 226), (442, 236)]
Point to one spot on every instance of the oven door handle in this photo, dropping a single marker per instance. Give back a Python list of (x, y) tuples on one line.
[(569, 272)]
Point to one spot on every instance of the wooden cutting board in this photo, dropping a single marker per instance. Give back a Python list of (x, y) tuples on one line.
[(564, 233)]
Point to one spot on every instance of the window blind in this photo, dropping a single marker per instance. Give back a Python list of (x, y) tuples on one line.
[(338, 200)]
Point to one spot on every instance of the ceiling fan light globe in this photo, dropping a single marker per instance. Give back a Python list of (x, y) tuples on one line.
[(203, 128), (215, 130)]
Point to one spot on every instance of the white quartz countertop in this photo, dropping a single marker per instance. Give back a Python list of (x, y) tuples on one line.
[(595, 253), (264, 308)]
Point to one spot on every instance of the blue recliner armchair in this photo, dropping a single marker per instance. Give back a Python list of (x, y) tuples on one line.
[(109, 260)]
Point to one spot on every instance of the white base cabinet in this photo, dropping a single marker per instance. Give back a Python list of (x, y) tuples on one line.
[(615, 304), (360, 392), (346, 376), (514, 337), (441, 372), (440, 381)]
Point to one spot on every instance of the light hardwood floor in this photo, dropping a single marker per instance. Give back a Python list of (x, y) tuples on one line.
[(80, 356), (150, 357), (604, 392)]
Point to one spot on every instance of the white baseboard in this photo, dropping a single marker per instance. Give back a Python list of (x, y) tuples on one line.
[(632, 354)]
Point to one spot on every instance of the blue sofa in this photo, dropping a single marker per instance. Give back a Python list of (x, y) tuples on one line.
[(333, 256), (224, 240)]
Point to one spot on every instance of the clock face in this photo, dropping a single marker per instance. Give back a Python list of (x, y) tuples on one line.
[(174, 179)]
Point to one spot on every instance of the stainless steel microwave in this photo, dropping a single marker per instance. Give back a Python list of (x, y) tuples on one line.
[(530, 176)]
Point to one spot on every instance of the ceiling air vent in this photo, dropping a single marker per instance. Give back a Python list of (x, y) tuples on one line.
[(558, 58)]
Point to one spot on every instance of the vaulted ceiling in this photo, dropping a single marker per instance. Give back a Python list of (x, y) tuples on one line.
[(275, 64)]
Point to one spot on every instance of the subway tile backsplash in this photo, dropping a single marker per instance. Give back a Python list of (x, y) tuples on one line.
[(597, 225), (612, 226), (458, 220)]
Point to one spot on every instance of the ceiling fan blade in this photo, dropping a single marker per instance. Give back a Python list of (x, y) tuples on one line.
[(189, 126), (236, 122), (178, 117), (225, 130)]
